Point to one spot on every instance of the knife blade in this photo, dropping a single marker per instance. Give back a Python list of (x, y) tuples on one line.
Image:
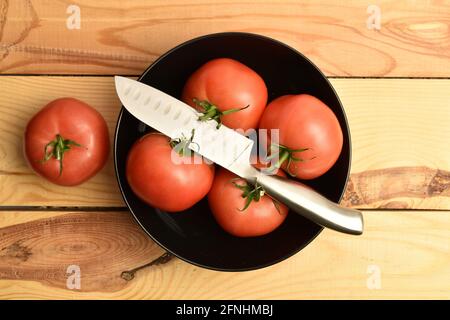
[(176, 119), (230, 150)]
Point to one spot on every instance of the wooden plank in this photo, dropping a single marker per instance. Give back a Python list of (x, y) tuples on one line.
[(101, 244), (409, 251), (399, 132), (123, 37)]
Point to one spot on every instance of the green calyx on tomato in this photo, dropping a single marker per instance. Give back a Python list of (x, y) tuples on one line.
[(249, 193), (56, 149), (252, 193), (211, 112), (284, 154), (181, 145)]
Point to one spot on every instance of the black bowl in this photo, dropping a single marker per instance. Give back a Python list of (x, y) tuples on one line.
[(194, 235)]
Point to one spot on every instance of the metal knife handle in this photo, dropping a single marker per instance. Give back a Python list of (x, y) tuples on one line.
[(310, 204)]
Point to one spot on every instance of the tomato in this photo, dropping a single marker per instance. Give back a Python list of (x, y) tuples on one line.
[(67, 142), (304, 122), (221, 88), (160, 181), (227, 204)]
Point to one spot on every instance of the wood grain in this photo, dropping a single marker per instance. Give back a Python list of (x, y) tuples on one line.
[(391, 188), (103, 245), (399, 130), (411, 250), (123, 37)]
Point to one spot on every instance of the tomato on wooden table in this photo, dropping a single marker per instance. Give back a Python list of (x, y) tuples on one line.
[(304, 122), (67, 142), (254, 215), (228, 92), (162, 178)]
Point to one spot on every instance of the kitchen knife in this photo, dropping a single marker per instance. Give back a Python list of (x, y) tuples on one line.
[(232, 151)]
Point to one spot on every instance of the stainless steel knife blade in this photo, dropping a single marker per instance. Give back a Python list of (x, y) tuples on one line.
[(176, 119)]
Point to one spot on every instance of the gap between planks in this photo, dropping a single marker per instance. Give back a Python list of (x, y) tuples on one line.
[(30, 209), (87, 75), (63, 209)]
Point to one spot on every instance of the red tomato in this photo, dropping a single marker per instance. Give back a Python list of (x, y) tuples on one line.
[(226, 203), (304, 122), (163, 183), (67, 142), (228, 84)]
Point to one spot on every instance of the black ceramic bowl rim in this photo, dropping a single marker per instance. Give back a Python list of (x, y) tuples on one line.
[(243, 34)]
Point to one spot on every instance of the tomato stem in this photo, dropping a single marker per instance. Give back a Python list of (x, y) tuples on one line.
[(249, 193), (252, 193), (181, 145), (211, 112), (284, 154), (56, 149)]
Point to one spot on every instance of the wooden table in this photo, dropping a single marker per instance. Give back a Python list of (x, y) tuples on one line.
[(392, 74)]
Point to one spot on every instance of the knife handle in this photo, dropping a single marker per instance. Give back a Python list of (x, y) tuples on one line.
[(310, 204)]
